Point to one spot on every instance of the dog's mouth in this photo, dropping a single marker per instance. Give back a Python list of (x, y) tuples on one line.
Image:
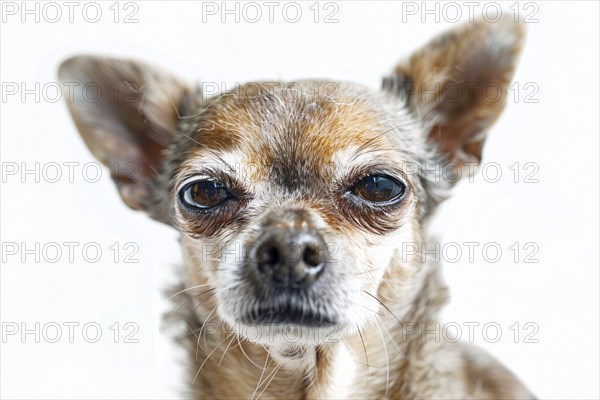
[(288, 314)]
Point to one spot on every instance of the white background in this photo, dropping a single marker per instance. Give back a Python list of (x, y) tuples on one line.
[(559, 134)]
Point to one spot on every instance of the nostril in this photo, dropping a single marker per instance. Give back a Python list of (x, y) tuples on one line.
[(311, 255), (268, 254), (273, 257)]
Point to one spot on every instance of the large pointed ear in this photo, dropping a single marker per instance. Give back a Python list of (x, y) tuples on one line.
[(127, 114), (457, 84)]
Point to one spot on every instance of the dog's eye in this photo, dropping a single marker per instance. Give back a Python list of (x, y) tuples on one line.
[(378, 189), (204, 194)]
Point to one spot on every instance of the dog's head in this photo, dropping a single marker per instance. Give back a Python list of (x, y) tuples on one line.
[(294, 200)]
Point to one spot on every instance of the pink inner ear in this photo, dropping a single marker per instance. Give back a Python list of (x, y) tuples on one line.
[(459, 146)]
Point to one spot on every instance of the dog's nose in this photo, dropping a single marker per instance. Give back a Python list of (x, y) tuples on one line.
[(286, 257)]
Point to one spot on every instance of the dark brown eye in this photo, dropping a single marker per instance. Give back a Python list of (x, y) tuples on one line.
[(204, 194), (378, 189)]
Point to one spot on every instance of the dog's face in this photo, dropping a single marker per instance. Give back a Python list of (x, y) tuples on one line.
[(294, 200)]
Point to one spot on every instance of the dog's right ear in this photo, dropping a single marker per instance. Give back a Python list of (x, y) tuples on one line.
[(127, 114)]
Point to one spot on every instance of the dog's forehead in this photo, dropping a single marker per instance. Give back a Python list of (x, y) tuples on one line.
[(291, 130)]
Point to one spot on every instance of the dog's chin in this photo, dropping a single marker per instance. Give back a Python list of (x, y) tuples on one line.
[(289, 335)]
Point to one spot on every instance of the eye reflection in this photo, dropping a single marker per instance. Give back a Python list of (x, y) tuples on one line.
[(204, 194), (378, 189)]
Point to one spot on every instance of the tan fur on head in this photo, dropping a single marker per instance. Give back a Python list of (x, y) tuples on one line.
[(297, 159)]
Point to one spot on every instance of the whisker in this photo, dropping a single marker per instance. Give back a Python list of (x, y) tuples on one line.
[(201, 328), (226, 348), (384, 306), (365, 350), (270, 380), (190, 288), (373, 311), (387, 331), (351, 350), (365, 144), (174, 313), (205, 360), (246, 355), (387, 359), (260, 381)]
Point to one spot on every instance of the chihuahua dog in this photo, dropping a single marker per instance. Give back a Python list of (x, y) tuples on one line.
[(295, 202)]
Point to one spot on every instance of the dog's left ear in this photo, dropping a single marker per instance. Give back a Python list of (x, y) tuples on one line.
[(457, 84)]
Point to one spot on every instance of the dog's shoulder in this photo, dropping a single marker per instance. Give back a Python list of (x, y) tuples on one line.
[(487, 378)]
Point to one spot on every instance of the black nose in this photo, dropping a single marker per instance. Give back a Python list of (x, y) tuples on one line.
[(289, 258)]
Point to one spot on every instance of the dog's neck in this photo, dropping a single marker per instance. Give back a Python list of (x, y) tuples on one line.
[(223, 365)]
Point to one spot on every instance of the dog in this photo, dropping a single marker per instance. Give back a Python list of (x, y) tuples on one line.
[(293, 201)]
